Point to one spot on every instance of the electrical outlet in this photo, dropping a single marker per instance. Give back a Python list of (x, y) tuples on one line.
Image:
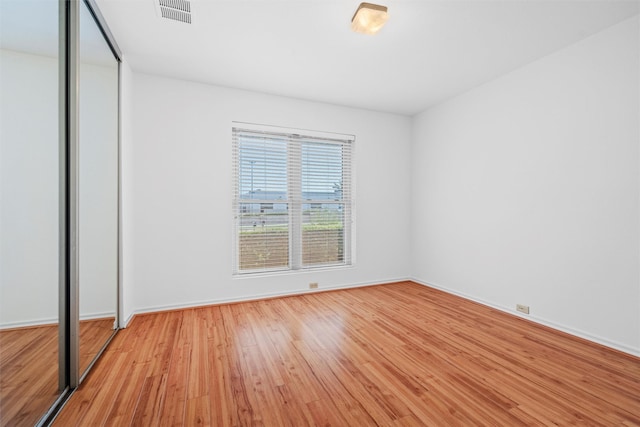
[(522, 308), (313, 285)]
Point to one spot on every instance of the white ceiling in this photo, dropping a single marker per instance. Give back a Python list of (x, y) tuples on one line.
[(427, 52)]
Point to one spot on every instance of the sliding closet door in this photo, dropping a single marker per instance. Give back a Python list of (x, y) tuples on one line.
[(59, 181), (98, 189), (29, 210)]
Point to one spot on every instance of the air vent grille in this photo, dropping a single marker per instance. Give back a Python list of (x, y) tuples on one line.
[(177, 10)]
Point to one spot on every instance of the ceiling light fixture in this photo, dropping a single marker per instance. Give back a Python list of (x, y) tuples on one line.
[(369, 18)]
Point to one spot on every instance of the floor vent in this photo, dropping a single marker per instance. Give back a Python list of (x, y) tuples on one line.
[(177, 10)]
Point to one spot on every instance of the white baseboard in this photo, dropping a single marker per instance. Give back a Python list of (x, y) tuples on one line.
[(125, 322), (571, 331), (92, 316), (29, 323), (219, 301), (52, 321)]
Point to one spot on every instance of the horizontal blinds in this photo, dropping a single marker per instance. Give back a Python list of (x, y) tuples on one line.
[(323, 234), (325, 167), (260, 202), (292, 201), (262, 167)]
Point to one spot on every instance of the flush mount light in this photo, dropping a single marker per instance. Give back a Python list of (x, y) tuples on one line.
[(369, 18)]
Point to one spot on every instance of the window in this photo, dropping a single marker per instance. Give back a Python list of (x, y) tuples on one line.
[(292, 200)]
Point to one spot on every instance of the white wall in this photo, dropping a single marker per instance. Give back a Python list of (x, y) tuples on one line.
[(526, 190), (29, 189), (127, 199), (29, 155), (182, 219), (98, 190)]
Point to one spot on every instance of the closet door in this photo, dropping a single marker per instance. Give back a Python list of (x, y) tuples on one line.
[(97, 189), (59, 206), (29, 210)]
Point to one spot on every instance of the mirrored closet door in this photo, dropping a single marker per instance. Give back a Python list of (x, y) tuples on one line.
[(98, 189), (59, 206), (29, 210)]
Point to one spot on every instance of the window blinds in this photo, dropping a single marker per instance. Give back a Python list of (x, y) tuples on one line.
[(292, 201)]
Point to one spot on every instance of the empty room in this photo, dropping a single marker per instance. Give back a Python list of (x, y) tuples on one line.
[(319, 213)]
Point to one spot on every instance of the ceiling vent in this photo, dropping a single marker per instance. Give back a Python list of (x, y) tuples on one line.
[(177, 10)]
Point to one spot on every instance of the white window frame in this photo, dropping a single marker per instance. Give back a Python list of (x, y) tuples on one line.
[(295, 138)]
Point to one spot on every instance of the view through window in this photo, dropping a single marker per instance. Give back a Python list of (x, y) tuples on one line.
[(292, 201)]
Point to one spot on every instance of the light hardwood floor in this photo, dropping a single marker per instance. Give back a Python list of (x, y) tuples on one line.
[(29, 368), (390, 355)]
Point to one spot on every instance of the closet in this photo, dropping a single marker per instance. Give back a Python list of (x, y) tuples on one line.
[(59, 211)]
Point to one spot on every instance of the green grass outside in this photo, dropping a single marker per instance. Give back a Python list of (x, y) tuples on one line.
[(283, 228)]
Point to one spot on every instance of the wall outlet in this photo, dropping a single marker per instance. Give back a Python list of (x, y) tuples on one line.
[(313, 285), (522, 308)]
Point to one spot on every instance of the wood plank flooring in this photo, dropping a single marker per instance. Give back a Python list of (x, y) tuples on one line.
[(29, 368), (28, 374), (389, 355)]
